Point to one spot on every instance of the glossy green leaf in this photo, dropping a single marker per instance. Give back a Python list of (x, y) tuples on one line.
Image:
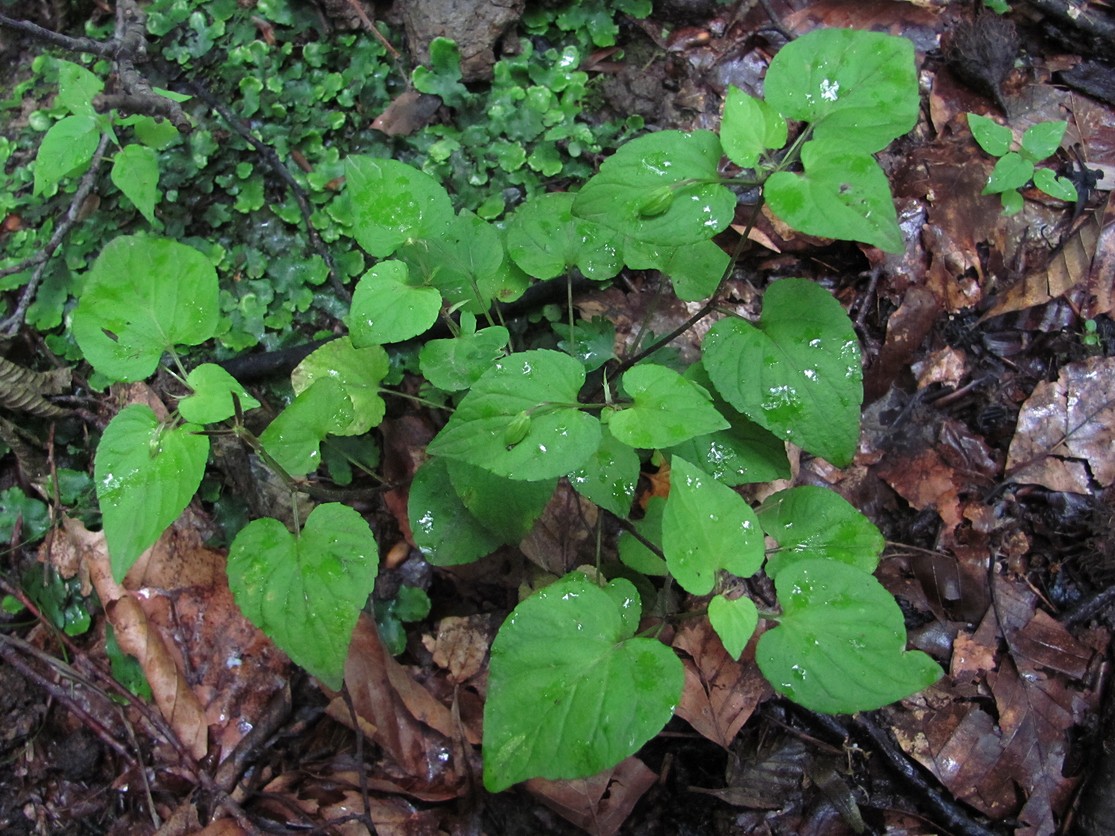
[(211, 400), (443, 77), (66, 148), (571, 692), (21, 514), (749, 127), (1043, 139), (455, 364), (635, 554), (1012, 171), (357, 371), (798, 373), (840, 644), (543, 383), (135, 172), (466, 264), (743, 454), (385, 309), (145, 475), (444, 531), (609, 476), (389, 202), (505, 507), (695, 270), (1012, 202), (707, 527), (992, 137), (306, 591), (143, 296), (667, 409), (734, 620), (76, 88), (1054, 186), (294, 438), (857, 88), (810, 522), (545, 240), (841, 194), (615, 197)]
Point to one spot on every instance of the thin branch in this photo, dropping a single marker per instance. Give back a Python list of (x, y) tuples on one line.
[(105, 49), (13, 323)]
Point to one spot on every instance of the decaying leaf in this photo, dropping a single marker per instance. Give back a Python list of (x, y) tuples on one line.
[(1065, 435), (23, 390), (600, 804)]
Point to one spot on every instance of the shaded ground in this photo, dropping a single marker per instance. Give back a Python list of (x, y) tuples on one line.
[(987, 460)]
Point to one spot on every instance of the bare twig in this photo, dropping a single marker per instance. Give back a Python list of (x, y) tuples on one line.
[(106, 49), (13, 323)]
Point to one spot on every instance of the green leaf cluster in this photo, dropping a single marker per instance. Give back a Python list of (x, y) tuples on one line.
[(1015, 168)]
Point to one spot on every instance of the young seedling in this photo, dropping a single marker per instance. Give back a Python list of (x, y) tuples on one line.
[(1015, 168)]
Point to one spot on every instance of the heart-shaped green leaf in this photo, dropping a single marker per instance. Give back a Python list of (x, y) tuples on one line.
[(457, 364), (76, 88), (389, 202), (1012, 171), (667, 409), (357, 371), (707, 527), (1054, 186), (66, 148), (385, 309), (841, 194), (1043, 139), (798, 373), (444, 530), (695, 270), (734, 620), (294, 438), (840, 644), (809, 522), (143, 296), (609, 476), (135, 172), (211, 400), (542, 384), (545, 240), (146, 474), (857, 88), (306, 591), (506, 508), (992, 137), (617, 197), (570, 692)]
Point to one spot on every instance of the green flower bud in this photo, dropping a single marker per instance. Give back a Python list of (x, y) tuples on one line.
[(516, 430), (657, 202)]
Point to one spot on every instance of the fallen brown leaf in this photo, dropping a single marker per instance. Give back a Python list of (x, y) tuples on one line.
[(598, 805)]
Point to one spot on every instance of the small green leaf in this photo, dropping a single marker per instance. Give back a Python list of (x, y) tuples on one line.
[(306, 591), (743, 454), (544, 384), (1061, 188), (76, 88), (357, 371), (545, 240), (385, 309), (749, 127), (135, 172), (444, 531), (707, 527), (992, 137), (840, 644), (667, 409), (857, 88), (145, 474), (734, 621), (142, 297), (443, 77), (597, 697), (211, 400), (798, 373), (809, 522), (635, 554), (20, 512), (1012, 202), (457, 364), (695, 270), (390, 202), (1042, 140), (66, 149), (294, 438), (841, 194), (1012, 171), (593, 342), (615, 196), (609, 476), (505, 507)]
